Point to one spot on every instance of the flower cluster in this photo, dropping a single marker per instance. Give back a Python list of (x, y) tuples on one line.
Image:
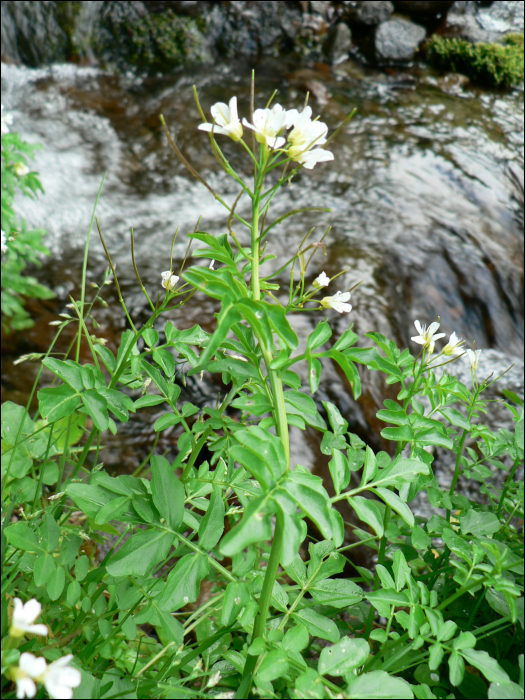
[(304, 140), (427, 338), (168, 280), (59, 678)]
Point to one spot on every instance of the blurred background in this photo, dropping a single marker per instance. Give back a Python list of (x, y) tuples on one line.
[(426, 190)]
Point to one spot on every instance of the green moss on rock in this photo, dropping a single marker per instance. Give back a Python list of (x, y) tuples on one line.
[(499, 65)]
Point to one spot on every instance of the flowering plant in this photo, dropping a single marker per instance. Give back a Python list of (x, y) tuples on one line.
[(20, 245), (230, 570)]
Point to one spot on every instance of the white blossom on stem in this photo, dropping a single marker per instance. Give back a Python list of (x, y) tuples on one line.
[(6, 121), (214, 679), (268, 124), (4, 242), (305, 139), (427, 336), (226, 120), (322, 281), (338, 302), (24, 616), (60, 678), (168, 280), (21, 169), (30, 668), (473, 356), (453, 347)]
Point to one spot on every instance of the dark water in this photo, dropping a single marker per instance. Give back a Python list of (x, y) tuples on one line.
[(424, 212)]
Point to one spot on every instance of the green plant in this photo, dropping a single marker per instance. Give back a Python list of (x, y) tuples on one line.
[(439, 615), (488, 64), (20, 246)]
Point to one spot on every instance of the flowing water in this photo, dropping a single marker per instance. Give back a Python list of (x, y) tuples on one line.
[(423, 211)]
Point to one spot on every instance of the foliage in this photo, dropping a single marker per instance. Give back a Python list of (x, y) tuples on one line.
[(487, 64), (231, 575), (23, 246)]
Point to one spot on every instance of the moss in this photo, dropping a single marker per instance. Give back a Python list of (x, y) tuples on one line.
[(499, 65)]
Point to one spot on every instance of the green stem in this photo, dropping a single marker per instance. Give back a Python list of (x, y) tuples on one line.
[(506, 487), (264, 601), (377, 582)]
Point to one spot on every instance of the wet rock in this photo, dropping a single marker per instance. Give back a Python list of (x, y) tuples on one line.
[(423, 10), (486, 24), (31, 33), (337, 43), (367, 13), (398, 40)]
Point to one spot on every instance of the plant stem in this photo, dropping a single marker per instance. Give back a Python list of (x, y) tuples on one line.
[(266, 595), (377, 582), (506, 487)]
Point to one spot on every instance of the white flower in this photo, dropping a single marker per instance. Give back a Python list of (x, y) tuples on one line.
[(168, 280), (60, 679), (473, 356), (427, 336), (24, 617), (305, 136), (213, 679), (226, 120), (453, 347), (7, 120), (211, 265), (21, 170), (338, 302), (4, 242), (322, 281), (269, 123), (30, 668)]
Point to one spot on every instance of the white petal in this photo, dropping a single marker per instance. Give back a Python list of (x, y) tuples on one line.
[(275, 142), (233, 110), (419, 339), (419, 329), (39, 629), (221, 113), (342, 296), (433, 328), (166, 275), (25, 688), (32, 665), (439, 335)]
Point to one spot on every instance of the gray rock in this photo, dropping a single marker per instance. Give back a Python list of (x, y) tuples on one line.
[(368, 13), (319, 7), (337, 43), (398, 40), (423, 9), (486, 24)]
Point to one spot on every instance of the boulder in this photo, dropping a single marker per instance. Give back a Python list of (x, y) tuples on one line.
[(486, 24), (398, 40), (423, 10), (368, 13), (337, 43)]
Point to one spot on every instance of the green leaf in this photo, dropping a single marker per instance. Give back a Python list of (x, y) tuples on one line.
[(166, 421), (401, 471), (338, 424), (317, 625), (255, 526), (433, 437), (151, 337), (49, 531), (309, 685), (396, 417), (456, 667), (296, 639), (377, 684), (90, 499), (254, 463), (402, 434), (171, 627), (315, 369), (168, 491), (505, 691), (339, 471), (388, 596), (293, 525), (478, 523), (67, 370), (112, 510), (212, 525), (235, 598), (238, 369), (338, 592), (281, 325), (368, 512), (149, 400), (488, 666), (308, 492), (256, 404), (165, 360), (338, 527), (343, 657), (370, 467), (319, 336), (274, 665), (349, 369), (56, 583), (347, 339), (96, 406), (456, 418), (398, 505), (118, 403), (268, 446), (21, 536), (43, 569), (302, 402), (74, 591), (420, 539), (81, 568), (57, 402), (141, 553), (183, 583)]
